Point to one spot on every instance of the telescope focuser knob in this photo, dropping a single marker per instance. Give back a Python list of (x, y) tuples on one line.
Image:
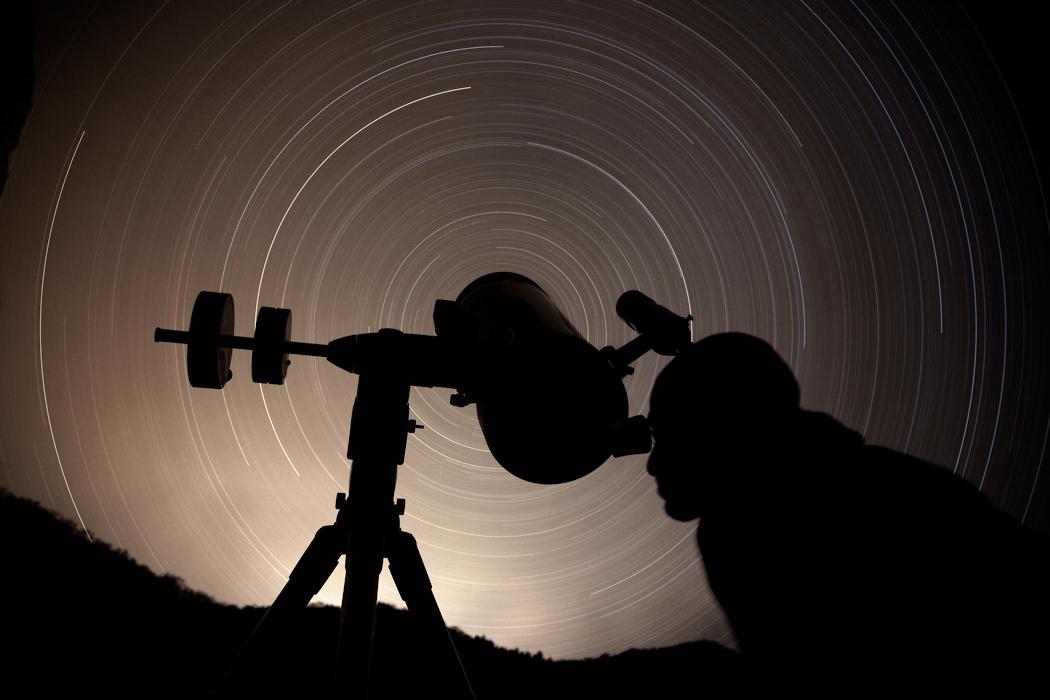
[(460, 400), (617, 361), (632, 437)]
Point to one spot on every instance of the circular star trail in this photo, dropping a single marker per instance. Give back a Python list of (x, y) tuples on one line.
[(850, 182)]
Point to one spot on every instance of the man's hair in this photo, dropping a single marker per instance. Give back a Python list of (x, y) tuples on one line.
[(732, 373)]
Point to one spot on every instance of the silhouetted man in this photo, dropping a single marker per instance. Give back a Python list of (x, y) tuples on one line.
[(840, 566)]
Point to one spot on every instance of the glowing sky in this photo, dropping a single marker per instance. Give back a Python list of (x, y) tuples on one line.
[(848, 181)]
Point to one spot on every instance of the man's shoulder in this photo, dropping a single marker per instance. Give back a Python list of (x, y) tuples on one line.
[(889, 465), (934, 493)]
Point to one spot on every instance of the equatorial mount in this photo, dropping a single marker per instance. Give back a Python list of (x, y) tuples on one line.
[(552, 408)]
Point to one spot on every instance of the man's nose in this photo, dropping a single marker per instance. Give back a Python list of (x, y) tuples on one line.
[(653, 464)]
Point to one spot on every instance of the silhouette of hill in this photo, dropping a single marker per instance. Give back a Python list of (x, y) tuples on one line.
[(81, 616)]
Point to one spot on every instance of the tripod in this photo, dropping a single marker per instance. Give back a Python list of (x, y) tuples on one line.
[(367, 530)]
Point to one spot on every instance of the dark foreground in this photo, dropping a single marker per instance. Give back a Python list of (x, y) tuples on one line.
[(80, 617)]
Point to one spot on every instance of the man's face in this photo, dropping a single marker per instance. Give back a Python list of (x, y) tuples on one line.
[(673, 462), (717, 412)]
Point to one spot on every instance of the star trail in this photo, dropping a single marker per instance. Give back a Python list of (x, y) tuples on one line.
[(850, 181)]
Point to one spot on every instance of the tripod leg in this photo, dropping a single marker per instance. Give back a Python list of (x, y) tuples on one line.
[(410, 577), (306, 579), (371, 492)]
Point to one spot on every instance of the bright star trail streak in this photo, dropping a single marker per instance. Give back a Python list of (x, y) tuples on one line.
[(40, 333), (849, 181)]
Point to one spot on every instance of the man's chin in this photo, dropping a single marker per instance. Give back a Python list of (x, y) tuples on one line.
[(679, 511)]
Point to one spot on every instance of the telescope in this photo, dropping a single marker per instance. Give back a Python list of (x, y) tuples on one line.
[(551, 406)]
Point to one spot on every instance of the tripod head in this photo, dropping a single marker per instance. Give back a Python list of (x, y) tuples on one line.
[(551, 406)]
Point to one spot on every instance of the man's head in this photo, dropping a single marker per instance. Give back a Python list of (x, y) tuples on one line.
[(716, 412)]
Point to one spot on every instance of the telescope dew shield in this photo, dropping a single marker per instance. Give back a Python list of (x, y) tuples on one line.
[(548, 402), (208, 364)]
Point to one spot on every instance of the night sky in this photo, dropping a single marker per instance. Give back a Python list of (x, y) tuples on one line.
[(854, 182)]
